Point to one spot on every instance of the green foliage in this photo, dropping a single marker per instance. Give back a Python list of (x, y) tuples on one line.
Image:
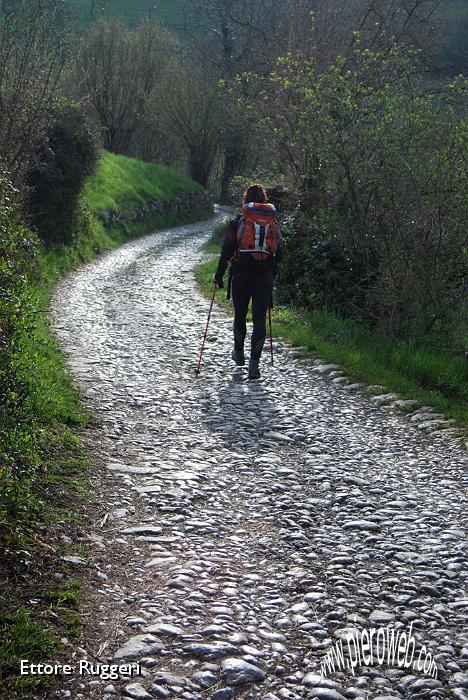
[(35, 387), (117, 71), (33, 39), (317, 271), (22, 638), (379, 165), (53, 399), (42, 472), (68, 155), (119, 192), (121, 182), (17, 444), (188, 106), (65, 597)]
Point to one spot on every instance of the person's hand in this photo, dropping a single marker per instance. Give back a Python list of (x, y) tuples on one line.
[(218, 280)]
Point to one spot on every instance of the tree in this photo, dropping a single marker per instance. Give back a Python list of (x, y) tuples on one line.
[(32, 56), (234, 35), (231, 36), (379, 167), (118, 69), (188, 107), (249, 35)]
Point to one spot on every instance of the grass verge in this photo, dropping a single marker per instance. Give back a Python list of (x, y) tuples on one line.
[(120, 182), (44, 512), (434, 378)]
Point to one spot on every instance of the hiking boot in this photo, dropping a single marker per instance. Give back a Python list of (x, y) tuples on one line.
[(238, 357), (254, 372)]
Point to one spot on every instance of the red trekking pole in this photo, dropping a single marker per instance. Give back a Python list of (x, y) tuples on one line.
[(271, 334), (215, 286)]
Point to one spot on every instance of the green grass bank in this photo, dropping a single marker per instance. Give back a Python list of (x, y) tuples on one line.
[(125, 198), (123, 186), (413, 369), (51, 496)]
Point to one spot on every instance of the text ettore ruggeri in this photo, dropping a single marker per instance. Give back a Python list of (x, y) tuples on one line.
[(81, 668)]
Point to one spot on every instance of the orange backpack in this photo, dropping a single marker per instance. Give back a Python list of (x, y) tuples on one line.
[(258, 231)]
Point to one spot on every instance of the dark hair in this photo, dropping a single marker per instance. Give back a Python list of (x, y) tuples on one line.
[(255, 193)]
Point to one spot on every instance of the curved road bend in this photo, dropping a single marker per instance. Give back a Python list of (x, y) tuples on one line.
[(251, 524)]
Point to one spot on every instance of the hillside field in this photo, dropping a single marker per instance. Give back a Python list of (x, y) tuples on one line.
[(130, 11), (449, 50)]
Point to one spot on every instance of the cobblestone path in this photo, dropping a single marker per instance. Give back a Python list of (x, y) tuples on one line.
[(249, 526)]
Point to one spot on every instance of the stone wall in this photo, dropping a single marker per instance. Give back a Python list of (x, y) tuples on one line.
[(181, 203)]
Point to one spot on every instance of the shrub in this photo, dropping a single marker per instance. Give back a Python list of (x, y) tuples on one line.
[(67, 157), (32, 56), (317, 270), (17, 255), (378, 163)]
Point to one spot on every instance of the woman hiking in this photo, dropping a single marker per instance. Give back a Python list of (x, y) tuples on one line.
[(252, 243)]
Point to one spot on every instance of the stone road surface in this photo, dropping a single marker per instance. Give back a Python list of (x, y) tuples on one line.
[(251, 525)]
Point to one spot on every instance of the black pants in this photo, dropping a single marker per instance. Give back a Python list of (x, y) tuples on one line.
[(257, 286)]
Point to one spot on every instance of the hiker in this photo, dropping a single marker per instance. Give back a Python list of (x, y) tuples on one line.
[(252, 243)]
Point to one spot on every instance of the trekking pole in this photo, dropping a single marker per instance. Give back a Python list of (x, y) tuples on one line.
[(215, 286), (271, 334), (229, 284)]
